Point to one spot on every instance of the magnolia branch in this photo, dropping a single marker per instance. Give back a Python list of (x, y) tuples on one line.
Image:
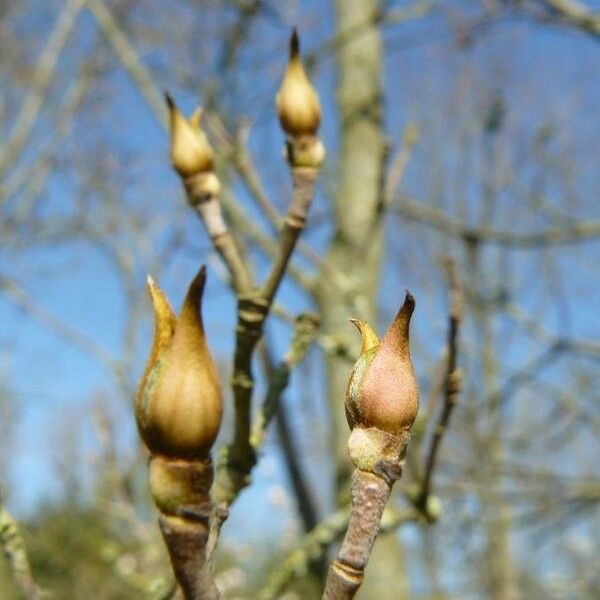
[(253, 309), (315, 544)]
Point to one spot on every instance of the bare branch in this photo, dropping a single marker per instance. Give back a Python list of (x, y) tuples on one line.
[(305, 332), (315, 543), (128, 56), (19, 297), (42, 78), (452, 380), (577, 14), (569, 234), (13, 546)]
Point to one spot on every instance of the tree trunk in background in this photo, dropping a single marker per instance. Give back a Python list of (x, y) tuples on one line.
[(499, 567), (356, 249)]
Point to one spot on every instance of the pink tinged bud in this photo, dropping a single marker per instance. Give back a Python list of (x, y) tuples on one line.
[(382, 391), (179, 404)]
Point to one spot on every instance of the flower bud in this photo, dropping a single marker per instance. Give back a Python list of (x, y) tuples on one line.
[(297, 101), (178, 404), (191, 152), (382, 391)]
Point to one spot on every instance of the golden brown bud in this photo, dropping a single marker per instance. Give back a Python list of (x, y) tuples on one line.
[(178, 404), (382, 391), (191, 152), (297, 101)]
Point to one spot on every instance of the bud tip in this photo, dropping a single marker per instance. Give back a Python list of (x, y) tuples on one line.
[(198, 283), (294, 43), (409, 304)]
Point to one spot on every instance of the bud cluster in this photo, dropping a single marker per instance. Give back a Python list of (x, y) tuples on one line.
[(178, 405)]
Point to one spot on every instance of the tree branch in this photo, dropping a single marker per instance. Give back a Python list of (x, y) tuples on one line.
[(20, 298), (127, 54), (452, 382), (315, 543), (569, 234), (13, 546), (577, 14)]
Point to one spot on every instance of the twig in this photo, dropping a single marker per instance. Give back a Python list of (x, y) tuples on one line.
[(453, 379), (253, 308), (568, 234), (129, 58), (305, 332), (241, 222), (186, 534), (577, 14), (314, 544), (15, 551), (398, 165), (143, 78), (303, 179), (20, 298), (21, 176), (223, 242), (393, 16), (42, 78), (299, 115), (193, 158), (243, 161), (370, 491)]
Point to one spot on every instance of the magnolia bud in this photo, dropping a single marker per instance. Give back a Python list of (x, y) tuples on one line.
[(297, 101), (191, 152), (382, 391), (178, 404)]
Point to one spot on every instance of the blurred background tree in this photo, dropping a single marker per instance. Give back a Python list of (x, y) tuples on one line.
[(464, 129)]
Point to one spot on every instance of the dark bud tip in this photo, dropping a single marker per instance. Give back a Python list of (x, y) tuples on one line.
[(196, 290), (409, 305), (397, 335), (169, 100), (294, 44), (198, 283)]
